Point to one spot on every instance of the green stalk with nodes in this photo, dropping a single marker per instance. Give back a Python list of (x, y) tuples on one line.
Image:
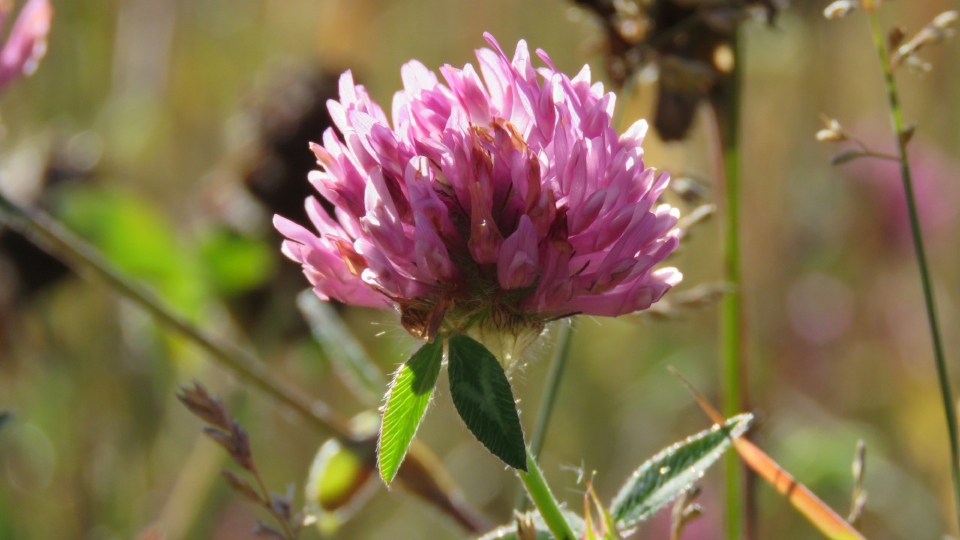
[(732, 343), (902, 138)]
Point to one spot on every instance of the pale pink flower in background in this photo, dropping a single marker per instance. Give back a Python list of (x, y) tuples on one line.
[(485, 205), (935, 185), (27, 42)]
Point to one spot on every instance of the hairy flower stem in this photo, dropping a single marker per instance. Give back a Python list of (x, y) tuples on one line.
[(429, 481), (558, 365), (896, 116), (543, 499), (732, 356)]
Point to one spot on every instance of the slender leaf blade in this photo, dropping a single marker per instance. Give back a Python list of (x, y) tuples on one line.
[(672, 471), (351, 363), (407, 402), (483, 397), (805, 501)]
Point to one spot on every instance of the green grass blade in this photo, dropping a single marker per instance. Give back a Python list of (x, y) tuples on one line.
[(407, 401), (482, 395), (349, 360), (672, 471)]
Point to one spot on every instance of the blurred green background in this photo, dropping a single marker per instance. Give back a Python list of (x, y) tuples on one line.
[(143, 121)]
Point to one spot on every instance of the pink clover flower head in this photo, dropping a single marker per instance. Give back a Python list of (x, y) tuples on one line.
[(27, 42), (490, 204)]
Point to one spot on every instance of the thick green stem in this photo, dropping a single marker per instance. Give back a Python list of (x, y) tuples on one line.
[(731, 317), (558, 365), (896, 116), (543, 499)]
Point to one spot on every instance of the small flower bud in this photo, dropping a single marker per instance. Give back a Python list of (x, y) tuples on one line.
[(937, 31), (945, 20), (833, 133), (829, 135), (840, 8)]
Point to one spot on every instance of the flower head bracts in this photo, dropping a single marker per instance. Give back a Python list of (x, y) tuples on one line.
[(502, 197)]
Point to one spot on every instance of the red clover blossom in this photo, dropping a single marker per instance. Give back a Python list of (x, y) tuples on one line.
[(489, 207)]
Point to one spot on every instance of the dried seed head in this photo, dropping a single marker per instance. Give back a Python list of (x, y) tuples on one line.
[(205, 406), (267, 531), (236, 442), (282, 505), (840, 8), (940, 29), (241, 486)]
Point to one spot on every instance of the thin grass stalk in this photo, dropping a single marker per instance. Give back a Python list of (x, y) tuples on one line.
[(732, 341), (896, 117), (558, 366)]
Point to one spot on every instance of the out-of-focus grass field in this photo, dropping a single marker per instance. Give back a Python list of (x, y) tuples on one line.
[(141, 104)]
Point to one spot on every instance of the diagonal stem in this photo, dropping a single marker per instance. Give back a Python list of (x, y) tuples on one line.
[(422, 472), (54, 237), (896, 116), (558, 365)]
